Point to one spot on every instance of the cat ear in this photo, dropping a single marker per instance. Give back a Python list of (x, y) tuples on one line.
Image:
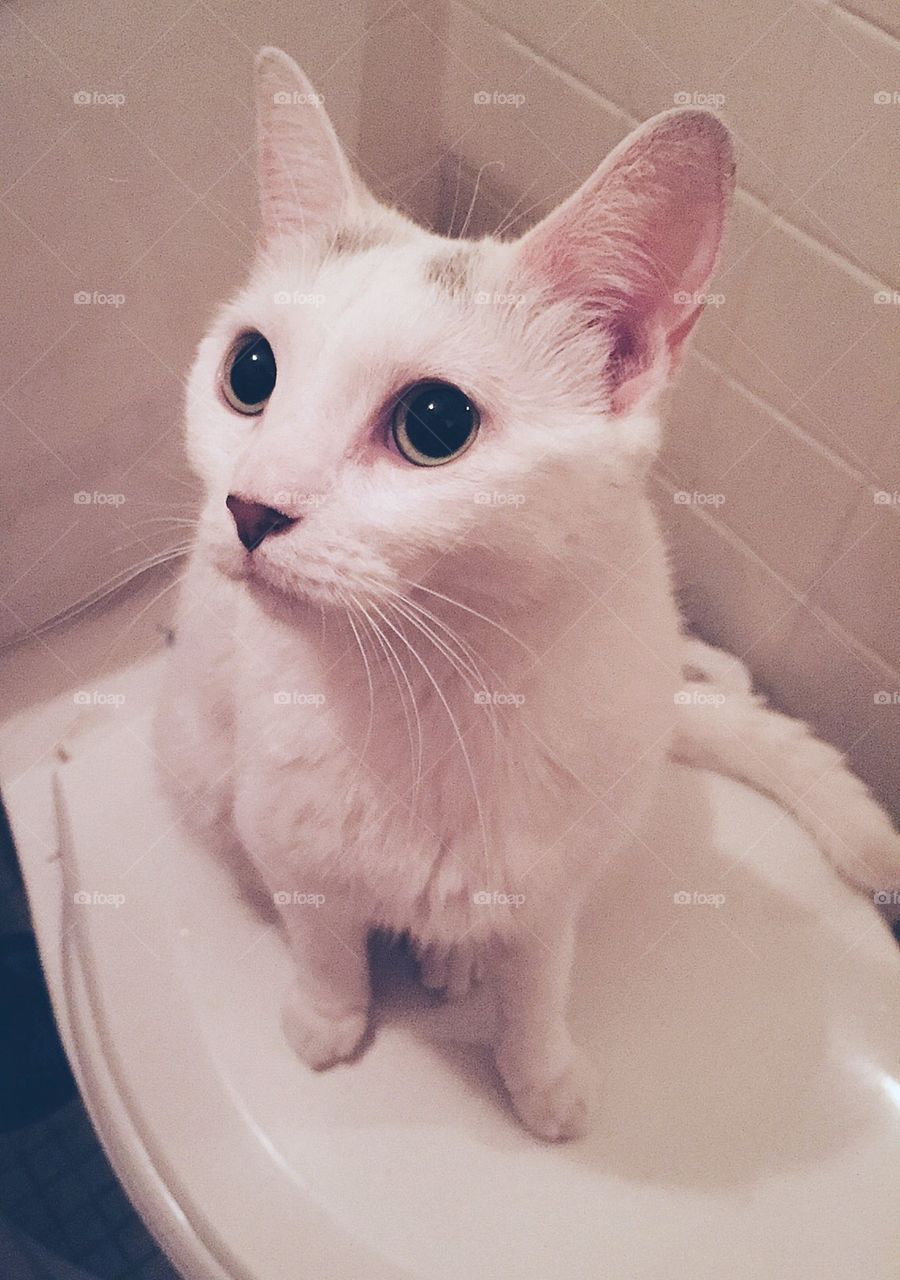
[(635, 246), (306, 185)]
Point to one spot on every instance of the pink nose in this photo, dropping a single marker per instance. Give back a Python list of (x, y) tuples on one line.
[(254, 520)]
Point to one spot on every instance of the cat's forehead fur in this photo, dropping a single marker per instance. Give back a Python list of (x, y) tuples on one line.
[(450, 266), (453, 268), (390, 287)]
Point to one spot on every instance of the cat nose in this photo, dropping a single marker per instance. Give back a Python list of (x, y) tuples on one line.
[(254, 520)]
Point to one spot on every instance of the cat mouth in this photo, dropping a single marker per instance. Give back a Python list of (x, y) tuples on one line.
[(268, 582), (260, 576), (249, 569), (299, 584)]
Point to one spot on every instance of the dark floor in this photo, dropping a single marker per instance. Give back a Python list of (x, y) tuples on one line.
[(59, 1198), (57, 1189)]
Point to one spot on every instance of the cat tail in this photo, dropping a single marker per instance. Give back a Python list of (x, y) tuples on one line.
[(725, 727)]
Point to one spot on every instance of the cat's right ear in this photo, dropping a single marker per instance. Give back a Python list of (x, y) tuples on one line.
[(306, 185), (633, 249)]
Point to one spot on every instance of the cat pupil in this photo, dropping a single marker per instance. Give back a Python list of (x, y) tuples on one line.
[(438, 420), (252, 374)]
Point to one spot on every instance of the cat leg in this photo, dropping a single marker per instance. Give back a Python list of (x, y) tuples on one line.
[(326, 1013), (451, 970), (540, 1065)]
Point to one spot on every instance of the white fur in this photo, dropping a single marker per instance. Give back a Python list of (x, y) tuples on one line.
[(383, 785), (735, 733)]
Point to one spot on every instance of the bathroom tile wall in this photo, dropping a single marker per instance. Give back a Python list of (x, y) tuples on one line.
[(782, 431), (128, 210), (779, 483)]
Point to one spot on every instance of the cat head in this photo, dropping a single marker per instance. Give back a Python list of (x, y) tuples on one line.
[(381, 404)]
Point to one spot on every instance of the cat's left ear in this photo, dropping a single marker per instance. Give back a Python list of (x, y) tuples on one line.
[(633, 249), (306, 185)]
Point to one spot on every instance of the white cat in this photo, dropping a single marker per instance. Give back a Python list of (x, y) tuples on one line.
[(428, 655)]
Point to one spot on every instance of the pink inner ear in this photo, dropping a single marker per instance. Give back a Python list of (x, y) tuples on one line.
[(636, 245)]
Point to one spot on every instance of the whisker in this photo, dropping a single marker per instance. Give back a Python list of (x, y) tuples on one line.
[(176, 523), (465, 672), (415, 751), (468, 609), (455, 196), (132, 623), (79, 716), (479, 686), (467, 649), (487, 164), (459, 736), (510, 214), (109, 588), (353, 605), (463, 665), (165, 519)]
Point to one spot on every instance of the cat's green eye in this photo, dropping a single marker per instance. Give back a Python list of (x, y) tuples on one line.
[(248, 374), (433, 423)]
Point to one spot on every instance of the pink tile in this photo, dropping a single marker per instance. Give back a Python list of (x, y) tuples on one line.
[(117, 198), (861, 586), (883, 13), (727, 595), (840, 688), (845, 167)]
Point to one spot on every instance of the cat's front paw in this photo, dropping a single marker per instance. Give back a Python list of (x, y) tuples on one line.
[(322, 1038), (452, 971), (558, 1111)]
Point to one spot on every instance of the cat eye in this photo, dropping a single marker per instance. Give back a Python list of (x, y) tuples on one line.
[(248, 374), (433, 423)]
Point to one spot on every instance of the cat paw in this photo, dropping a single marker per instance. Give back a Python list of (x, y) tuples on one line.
[(451, 971), (319, 1038), (558, 1111)]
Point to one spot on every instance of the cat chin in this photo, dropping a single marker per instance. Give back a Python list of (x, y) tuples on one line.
[(276, 603)]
